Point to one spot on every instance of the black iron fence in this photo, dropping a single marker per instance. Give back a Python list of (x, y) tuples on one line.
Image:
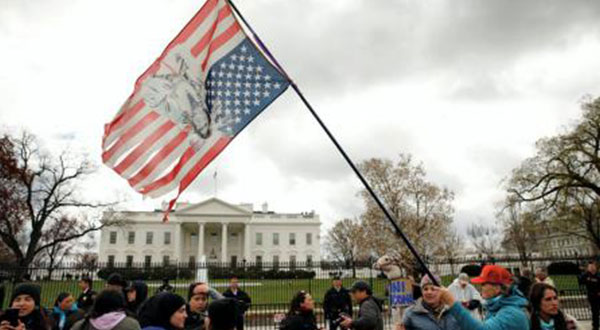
[(271, 286)]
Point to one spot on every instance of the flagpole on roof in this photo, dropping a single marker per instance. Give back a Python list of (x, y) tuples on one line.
[(391, 219)]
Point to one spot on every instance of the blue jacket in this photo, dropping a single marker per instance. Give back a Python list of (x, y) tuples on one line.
[(417, 317), (503, 313)]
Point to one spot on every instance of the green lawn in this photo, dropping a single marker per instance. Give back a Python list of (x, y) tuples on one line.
[(266, 292)]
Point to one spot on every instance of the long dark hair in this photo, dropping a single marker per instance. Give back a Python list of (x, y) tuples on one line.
[(296, 302), (536, 294), (61, 296)]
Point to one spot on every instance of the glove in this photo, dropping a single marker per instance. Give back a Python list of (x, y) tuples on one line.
[(473, 304)]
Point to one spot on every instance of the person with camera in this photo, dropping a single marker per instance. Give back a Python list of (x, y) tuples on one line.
[(369, 312), (337, 301), (24, 312)]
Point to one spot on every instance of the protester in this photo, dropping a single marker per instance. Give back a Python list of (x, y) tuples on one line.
[(164, 311), (301, 314), (242, 298), (524, 282), (64, 313), (165, 287), (223, 314), (369, 312), (504, 303), (541, 276), (26, 298), (136, 294), (429, 313), (337, 301), (86, 299), (198, 295), (591, 280), (108, 313), (545, 313), (115, 282), (466, 293)]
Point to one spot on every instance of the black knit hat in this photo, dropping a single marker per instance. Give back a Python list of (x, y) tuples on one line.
[(157, 311), (116, 279), (30, 289)]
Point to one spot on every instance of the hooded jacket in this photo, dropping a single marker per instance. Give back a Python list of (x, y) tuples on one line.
[(141, 293), (369, 315), (419, 317), (108, 321), (156, 312), (503, 313)]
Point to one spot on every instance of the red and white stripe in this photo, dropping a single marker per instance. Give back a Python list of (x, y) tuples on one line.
[(149, 150)]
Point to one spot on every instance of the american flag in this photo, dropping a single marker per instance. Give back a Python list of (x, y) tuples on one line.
[(207, 85)]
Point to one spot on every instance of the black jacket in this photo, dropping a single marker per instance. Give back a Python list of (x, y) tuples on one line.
[(591, 283), (300, 321), (86, 300), (194, 321), (369, 315), (242, 297), (336, 302)]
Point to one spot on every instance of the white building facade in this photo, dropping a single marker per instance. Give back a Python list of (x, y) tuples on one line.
[(212, 231)]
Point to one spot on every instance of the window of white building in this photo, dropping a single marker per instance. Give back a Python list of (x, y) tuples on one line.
[(147, 261), (259, 261), (131, 237), (166, 260), (308, 238), (167, 238), (275, 238), (309, 260), (129, 261), (111, 261), (292, 238), (149, 237), (258, 238), (112, 239)]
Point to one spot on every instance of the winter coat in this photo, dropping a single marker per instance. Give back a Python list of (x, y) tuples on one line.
[(141, 293), (108, 321), (503, 313), (63, 320), (36, 320), (86, 299), (369, 315), (194, 321), (466, 295), (242, 297), (300, 321), (337, 302), (419, 317), (570, 322), (592, 284)]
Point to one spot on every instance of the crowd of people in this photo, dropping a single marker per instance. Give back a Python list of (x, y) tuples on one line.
[(504, 302)]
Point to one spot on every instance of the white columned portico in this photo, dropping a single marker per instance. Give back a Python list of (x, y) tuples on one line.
[(224, 244), (200, 242), (247, 242)]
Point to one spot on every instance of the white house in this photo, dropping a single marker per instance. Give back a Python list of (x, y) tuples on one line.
[(215, 231)]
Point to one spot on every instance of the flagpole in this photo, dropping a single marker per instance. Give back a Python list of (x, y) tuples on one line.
[(399, 232)]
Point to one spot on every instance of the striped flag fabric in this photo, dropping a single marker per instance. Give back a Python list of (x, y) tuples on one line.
[(204, 89)]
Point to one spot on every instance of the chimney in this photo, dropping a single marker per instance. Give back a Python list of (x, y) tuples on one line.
[(265, 207)]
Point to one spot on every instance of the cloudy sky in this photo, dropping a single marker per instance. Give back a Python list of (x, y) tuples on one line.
[(465, 86)]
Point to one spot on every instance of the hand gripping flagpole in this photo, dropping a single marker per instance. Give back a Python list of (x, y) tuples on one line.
[(399, 232)]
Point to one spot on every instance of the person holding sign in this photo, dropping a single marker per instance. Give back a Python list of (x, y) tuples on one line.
[(429, 313)]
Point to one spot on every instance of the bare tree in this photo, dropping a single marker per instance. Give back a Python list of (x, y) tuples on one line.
[(452, 247), (422, 209), (343, 243), (521, 228), (487, 239), (563, 178), (41, 205)]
